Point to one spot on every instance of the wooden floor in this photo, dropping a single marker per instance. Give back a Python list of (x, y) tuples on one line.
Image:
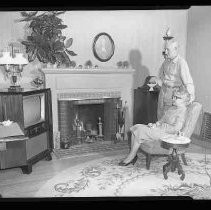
[(14, 184)]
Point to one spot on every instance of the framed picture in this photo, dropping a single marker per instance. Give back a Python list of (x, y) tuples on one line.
[(103, 47)]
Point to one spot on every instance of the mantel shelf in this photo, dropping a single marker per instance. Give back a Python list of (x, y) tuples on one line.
[(87, 71)]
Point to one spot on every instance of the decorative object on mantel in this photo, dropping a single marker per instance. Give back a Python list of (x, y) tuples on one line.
[(46, 42), (73, 64), (13, 63), (123, 64), (88, 64), (38, 82), (103, 47), (119, 64)]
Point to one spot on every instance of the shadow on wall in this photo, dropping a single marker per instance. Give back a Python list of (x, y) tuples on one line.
[(141, 71)]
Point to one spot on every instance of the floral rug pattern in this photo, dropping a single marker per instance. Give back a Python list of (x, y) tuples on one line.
[(104, 177)]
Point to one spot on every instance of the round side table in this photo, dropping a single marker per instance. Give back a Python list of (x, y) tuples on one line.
[(175, 143)]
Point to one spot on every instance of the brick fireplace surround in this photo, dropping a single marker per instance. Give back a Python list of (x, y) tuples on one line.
[(83, 84)]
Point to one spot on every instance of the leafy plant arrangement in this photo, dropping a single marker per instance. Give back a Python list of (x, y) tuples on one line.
[(46, 42)]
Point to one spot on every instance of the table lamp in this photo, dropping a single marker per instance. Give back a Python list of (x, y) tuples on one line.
[(13, 64)]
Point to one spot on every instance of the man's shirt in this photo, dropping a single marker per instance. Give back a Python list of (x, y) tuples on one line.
[(175, 73)]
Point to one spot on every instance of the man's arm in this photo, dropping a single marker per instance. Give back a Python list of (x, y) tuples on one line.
[(175, 127), (187, 80), (158, 80), (178, 122), (172, 129)]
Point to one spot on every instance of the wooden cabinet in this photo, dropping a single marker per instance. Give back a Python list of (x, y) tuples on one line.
[(32, 110), (145, 106), (14, 153)]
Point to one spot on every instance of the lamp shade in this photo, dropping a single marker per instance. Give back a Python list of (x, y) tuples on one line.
[(6, 59), (19, 59)]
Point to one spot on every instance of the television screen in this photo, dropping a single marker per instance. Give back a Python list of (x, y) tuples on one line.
[(33, 109)]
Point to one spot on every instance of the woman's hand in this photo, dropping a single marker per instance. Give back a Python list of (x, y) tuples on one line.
[(151, 125), (158, 123), (154, 125), (180, 133)]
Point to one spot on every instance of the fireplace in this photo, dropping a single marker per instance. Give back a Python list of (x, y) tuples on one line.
[(96, 90), (88, 120)]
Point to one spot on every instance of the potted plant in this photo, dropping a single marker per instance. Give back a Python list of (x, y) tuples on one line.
[(46, 42)]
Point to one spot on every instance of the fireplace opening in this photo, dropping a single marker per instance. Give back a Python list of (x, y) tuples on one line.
[(89, 115), (87, 121)]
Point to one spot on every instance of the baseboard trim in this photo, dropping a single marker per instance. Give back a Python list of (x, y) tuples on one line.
[(196, 139)]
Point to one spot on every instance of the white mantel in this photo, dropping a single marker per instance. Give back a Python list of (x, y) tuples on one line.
[(63, 81), (87, 71)]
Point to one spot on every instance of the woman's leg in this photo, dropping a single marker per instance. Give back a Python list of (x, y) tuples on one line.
[(132, 141), (135, 144), (135, 141), (141, 133)]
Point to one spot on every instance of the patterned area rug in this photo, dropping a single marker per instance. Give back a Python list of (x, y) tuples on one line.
[(103, 177), (90, 149)]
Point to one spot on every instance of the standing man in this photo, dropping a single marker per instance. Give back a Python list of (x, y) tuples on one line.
[(173, 75)]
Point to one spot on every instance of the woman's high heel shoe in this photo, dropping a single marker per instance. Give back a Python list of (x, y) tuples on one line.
[(133, 161)]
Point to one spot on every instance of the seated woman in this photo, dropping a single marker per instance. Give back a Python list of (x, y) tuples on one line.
[(171, 123)]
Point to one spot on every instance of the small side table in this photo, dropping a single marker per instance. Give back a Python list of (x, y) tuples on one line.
[(174, 143)]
